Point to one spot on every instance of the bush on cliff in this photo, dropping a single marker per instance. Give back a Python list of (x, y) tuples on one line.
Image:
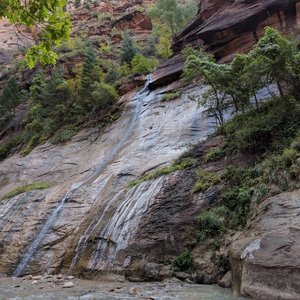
[(273, 60), (57, 107), (184, 262), (267, 132), (169, 17)]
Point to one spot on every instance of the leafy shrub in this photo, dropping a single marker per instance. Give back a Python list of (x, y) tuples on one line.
[(31, 144), (128, 50), (289, 156), (142, 65), (238, 200), (269, 129), (104, 95), (63, 135), (105, 48), (296, 143), (212, 222), (184, 262), (214, 155), (7, 147), (170, 96), (205, 180)]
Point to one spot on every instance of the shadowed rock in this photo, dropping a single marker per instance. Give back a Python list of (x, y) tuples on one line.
[(228, 27)]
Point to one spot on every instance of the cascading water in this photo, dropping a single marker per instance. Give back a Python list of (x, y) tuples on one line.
[(35, 244), (82, 243), (39, 238), (124, 223)]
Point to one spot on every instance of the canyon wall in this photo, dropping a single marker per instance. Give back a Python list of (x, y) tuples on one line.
[(225, 28)]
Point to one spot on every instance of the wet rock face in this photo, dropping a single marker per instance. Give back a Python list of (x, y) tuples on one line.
[(229, 27), (265, 258), (164, 232), (100, 215)]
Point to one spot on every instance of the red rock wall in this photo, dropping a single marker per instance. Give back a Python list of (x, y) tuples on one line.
[(228, 27)]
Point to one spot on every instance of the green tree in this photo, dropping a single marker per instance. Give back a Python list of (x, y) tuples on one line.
[(48, 103), (10, 98), (164, 45), (104, 95), (128, 50), (235, 83), (274, 55), (198, 63), (88, 70), (86, 4), (169, 17), (274, 60), (228, 82), (49, 17), (37, 88), (142, 65), (173, 13)]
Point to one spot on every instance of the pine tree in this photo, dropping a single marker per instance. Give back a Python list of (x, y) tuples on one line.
[(128, 50), (87, 70), (38, 88), (10, 98)]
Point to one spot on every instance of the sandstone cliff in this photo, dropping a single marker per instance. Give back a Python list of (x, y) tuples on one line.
[(265, 256), (229, 27), (90, 222)]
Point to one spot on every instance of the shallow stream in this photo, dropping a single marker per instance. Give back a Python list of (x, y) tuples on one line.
[(18, 289)]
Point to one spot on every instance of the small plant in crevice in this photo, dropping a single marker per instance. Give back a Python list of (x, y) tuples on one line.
[(170, 96), (183, 262), (26, 188), (177, 165)]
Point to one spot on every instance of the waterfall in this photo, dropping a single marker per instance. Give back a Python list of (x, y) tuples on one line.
[(82, 243), (35, 244), (39, 238), (125, 222)]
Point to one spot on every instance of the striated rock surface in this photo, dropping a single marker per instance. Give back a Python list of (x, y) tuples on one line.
[(229, 27), (265, 257), (85, 222), (166, 229)]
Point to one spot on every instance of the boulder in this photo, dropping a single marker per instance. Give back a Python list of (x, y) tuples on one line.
[(68, 284), (226, 280), (265, 257)]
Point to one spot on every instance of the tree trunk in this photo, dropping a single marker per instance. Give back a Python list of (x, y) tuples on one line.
[(280, 89), (235, 104), (256, 100)]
